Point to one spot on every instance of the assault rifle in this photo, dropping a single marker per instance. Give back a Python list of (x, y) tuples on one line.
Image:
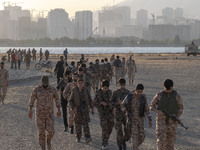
[(174, 118)]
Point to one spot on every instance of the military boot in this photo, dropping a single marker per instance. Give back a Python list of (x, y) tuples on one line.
[(42, 146), (120, 147), (124, 145), (48, 144), (72, 130)]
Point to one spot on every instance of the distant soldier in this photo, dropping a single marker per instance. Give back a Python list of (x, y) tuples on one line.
[(65, 53), (106, 71), (136, 106), (167, 100), (34, 54), (123, 67), (9, 54), (112, 58), (28, 60), (97, 73), (41, 54), (102, 101), (71, 67), (61, 86), (4, 76), (66, 93), (80, 99), (92, 70), (75, 70), (13, 60), (59, 69), (131, 69), (102, 67), (19, 59), (120, 118), (117, 68), (46, 55), (44, 95), (82, 60)]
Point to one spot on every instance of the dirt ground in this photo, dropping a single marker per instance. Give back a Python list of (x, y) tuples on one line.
[(17, 132)]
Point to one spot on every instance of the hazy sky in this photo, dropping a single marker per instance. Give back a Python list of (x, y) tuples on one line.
[(71, 6)]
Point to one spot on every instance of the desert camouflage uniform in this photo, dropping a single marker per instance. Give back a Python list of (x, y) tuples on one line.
[(79, 102), (66, 93), (137, 121), (44, 111), (120, 117), (105, 114), (97, 75), (166, 133), (131, 69), (3, 83), (106, 72), (123, 69)]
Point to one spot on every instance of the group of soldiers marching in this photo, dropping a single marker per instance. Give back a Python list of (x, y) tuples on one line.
[(123, 109)]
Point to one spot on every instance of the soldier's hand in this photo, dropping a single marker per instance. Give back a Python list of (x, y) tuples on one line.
[(30, 114), (104, 104), (58, 114)]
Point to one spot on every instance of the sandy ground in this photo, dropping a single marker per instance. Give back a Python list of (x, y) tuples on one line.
[(17, 132)]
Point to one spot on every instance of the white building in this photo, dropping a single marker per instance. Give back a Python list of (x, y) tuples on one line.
[(142, 17), (178, 13), (83, 24), (58, 24), (168, 15)]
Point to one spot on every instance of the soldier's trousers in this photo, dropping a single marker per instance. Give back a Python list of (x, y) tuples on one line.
[(107, 125), (131, 76), (138, 135), (166, 134), (123, 132), (82, 120), (118, 73), (45, 124), (64, 103), (3, 90), (71, 117)]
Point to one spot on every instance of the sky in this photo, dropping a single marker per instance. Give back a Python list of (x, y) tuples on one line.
[(71, 6)]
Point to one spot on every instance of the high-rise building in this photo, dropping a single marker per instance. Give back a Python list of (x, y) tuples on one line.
[(112, 18), (142, 17), (4, 24), (178, 13), (83, 24), (57, 23), (168, 15)]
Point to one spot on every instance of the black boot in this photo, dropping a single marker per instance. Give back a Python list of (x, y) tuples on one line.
[(66, 129), (72, 130), (120, 147), (124, 145)]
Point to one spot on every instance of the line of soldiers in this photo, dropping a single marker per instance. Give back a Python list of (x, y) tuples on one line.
[(124, 109)]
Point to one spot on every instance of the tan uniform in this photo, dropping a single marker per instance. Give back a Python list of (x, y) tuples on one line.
[(3, 83), (66, 93), (166, 133), (137, 120), (131, 70), (44, 111)]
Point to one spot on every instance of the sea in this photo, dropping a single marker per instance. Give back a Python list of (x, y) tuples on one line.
[(102, 50)]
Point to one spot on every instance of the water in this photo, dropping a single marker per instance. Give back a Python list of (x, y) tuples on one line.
[(104, 50)]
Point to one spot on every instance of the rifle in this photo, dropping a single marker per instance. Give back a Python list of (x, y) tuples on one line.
[(174, 118)]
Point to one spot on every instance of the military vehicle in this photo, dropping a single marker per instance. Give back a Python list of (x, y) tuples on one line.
[(192, 49)]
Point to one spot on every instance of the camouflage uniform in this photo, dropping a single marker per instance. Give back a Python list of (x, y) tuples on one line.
[(136, 119), (3, 83), (131, 69), (117, 69), (44, 111), (166, 133), (28, 60), (106, 72), (123, 69), (79, 102), (66, 93), (120, 117), (97, 74), (105, 114)]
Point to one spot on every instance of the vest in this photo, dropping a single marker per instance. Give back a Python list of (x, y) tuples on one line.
[(168, 103)]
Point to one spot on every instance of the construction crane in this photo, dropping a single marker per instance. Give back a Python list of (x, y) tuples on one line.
[(93, 32), (153, 18)]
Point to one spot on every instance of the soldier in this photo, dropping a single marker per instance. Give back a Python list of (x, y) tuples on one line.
[(167, 100), (41, 54), (9, 54), (97, 73), (131, 69), (66, 93), (46, 55), (61, 86), (108, 70), (59, 69), (13, 60), (44, 95), (79, 100), (65, 53), (136, 106), (102, 67), (92, 70), (103, 104), (34, 54), (112, 58), (71, 67), (28, 60), (117, 68), (4, 76), (120, 117), (123, 67)]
